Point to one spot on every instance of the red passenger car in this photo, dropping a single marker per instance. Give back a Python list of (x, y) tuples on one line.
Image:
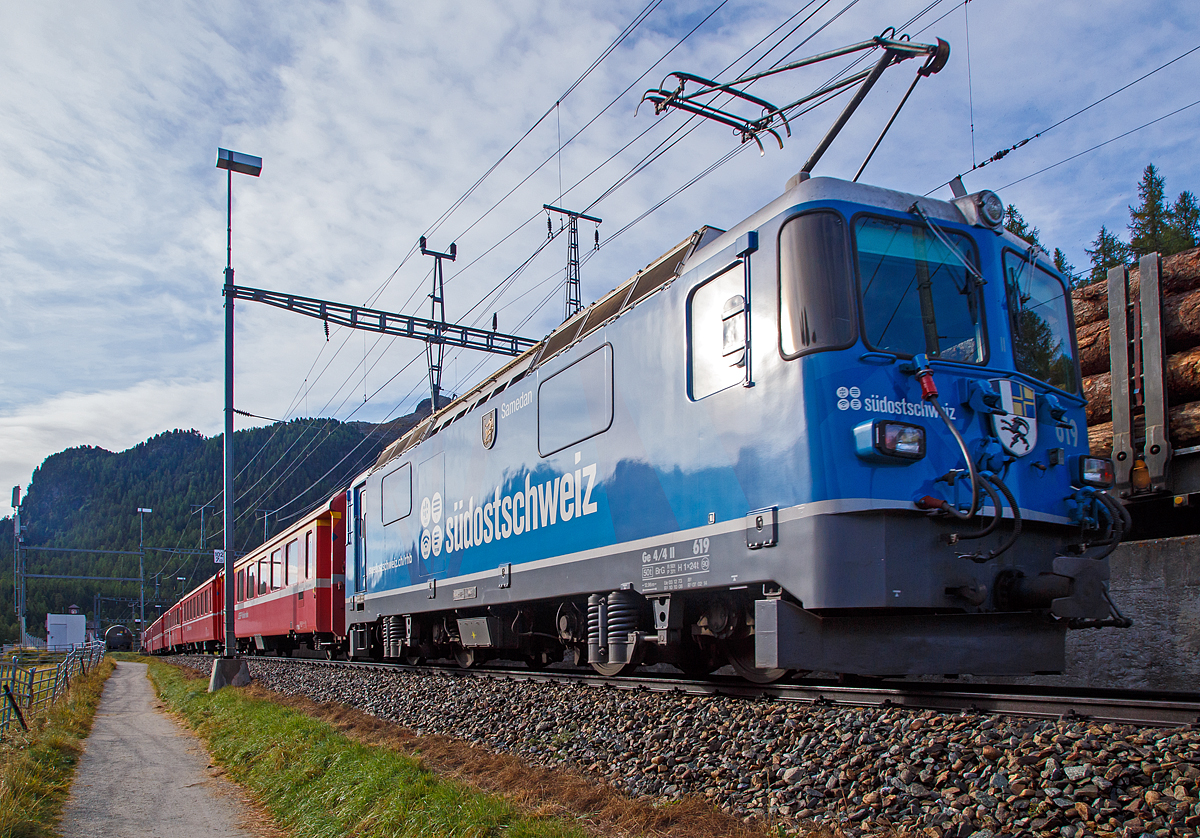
[(198, 619), (153, 641), (290, 592)]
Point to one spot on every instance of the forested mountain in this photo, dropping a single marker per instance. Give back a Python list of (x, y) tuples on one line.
[(87, 498)]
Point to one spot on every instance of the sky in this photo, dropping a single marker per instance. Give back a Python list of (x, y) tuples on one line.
[(376, 122)]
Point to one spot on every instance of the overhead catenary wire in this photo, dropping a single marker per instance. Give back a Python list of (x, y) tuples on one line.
[(639, 167), (1004, 152), (641, 17), (1100, 145), (629, 28)]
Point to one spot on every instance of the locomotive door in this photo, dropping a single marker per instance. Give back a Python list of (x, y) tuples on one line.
[(358, 538)]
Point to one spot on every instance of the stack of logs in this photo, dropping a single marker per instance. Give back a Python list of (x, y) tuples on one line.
[(1180, 283)]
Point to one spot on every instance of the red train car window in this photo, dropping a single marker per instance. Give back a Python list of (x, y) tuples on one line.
[(276, 569), (293, 562), (310, 556)]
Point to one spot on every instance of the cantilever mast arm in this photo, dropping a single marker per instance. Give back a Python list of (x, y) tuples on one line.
[(387, 322)]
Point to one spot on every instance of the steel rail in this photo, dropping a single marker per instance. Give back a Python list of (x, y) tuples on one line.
[(1132, 707)]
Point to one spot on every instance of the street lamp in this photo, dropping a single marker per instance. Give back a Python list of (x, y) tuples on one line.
[(230, 161), (142, 513)]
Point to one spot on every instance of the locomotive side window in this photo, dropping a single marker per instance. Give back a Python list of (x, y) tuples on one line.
[(276, 569), (250, 575), (917, 295), (396, 502), (816, 297), (241, 586), (717, 333), (576, 402), (1041, 328)]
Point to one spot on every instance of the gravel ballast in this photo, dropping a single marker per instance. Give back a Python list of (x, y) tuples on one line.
[(857, 770)]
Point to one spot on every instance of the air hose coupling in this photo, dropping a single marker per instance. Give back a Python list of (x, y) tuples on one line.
[(924, 375)]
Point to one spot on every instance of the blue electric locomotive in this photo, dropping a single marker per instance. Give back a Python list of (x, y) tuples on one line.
[(846, 435)]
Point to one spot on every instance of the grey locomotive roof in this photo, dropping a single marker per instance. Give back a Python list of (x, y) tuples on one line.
[(693, 250)]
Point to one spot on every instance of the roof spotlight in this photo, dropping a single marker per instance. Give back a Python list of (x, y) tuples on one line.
[(982, 209)]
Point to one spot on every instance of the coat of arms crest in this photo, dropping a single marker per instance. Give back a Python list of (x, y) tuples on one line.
[(1017, 428), (489, 428)]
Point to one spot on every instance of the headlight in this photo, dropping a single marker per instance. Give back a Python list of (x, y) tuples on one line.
[(991, 208), (982, 209), (882, 440), (1094, 471)]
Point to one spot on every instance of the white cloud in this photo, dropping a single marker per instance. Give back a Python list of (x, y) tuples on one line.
[(372, 119), (110, 419)]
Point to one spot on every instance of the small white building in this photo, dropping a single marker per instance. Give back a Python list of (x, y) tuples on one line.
[(65, 631)]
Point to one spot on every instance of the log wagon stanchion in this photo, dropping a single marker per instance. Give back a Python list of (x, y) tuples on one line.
[(1139, 345)]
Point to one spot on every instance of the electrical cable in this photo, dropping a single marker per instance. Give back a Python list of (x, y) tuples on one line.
[(1100, 145), (999, 513), (653, 157), (1004, 152), (1014, 533), (970, 86), (639, 18), (629, 29), (637, 21)]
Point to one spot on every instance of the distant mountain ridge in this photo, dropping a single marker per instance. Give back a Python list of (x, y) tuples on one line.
[(86, 498)]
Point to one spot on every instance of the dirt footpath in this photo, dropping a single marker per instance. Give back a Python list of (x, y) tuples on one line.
[(142, 774)]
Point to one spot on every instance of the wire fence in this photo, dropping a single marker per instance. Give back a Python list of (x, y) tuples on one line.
[(27, 688)]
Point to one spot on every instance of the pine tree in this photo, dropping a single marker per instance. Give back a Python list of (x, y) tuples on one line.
[(1015, 224), (1064, 267), (1107, 251), (1150, 224), (1184, 223)]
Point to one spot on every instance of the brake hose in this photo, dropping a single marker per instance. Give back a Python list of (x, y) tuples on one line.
[(980, 533), (929, 393), (1016, 530)]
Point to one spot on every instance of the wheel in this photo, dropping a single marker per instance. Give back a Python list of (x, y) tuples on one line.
[(740, 653), (468, 658), (612, 670)]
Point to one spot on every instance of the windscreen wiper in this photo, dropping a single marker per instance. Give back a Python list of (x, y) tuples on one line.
[(919, 211)]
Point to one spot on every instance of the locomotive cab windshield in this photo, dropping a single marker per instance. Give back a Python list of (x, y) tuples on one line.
[(918, 297)]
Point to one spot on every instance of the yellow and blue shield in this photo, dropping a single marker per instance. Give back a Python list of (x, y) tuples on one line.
[(1017, 427)]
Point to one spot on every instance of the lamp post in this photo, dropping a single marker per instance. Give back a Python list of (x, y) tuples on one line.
[(230, 161), (142, 513)]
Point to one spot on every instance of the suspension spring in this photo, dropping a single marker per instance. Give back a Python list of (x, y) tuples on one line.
[(597, 628)]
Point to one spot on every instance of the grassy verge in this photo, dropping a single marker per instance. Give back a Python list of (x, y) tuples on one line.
[(36, 766), (317, 782)]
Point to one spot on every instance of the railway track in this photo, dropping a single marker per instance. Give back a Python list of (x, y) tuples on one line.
[(1132, 707)]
